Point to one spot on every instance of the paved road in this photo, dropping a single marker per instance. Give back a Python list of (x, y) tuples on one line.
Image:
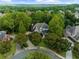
[(69, 54), (24, 52)]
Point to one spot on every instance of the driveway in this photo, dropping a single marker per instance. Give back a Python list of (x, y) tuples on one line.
[(24, 53), (69, 54)]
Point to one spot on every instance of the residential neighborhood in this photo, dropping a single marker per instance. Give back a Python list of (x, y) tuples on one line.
[(39, 31)]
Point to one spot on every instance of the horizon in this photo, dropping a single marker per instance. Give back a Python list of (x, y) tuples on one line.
[(39, 1)]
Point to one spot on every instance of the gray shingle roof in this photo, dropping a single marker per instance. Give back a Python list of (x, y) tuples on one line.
[(41, 25), (2, 34), (73, 32)]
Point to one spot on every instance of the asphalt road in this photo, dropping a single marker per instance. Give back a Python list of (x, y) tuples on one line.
[(24, 53)]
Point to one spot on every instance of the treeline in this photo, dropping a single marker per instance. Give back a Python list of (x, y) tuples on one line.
[(38, 7)]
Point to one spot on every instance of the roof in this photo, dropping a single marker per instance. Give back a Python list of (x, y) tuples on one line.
[(2, 34), (40, 25), (73, 32), (70, 29), (77, 8)]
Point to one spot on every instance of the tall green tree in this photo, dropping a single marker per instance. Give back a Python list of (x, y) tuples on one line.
[(70, 19), (37, 16), (22, 28), (7, 22), (56, 25), (23, 18)]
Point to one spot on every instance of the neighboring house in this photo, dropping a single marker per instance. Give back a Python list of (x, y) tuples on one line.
[(50, 11), (40, 28), (73, 32), (2, 34), (62, 12), (1, 14), (77, 13)]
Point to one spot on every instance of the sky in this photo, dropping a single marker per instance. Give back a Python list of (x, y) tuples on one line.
[(39, 1)]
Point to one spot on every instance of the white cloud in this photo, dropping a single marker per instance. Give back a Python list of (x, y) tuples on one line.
[(6, 0), (48, 1), (56, 1)]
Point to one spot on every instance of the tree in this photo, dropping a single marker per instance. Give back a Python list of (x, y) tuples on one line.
[(6, 22), (35, 38), (37, 55), (76, 50), (55, 42), (21, 17), (22, 28), (21, 39), (69, 18), (47, 17), (51, 39), (38, 17), (56, 25)]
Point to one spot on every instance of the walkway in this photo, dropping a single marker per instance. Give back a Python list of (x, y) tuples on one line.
[(30, 44)]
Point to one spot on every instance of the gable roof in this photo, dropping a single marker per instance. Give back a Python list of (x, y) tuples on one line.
[(40, 25), (73, 32)]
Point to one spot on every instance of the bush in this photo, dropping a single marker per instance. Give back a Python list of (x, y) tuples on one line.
[(76, 51), (35, 38), (37, 55), (21, 39)]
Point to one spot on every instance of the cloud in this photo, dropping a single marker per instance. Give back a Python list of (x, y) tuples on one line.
[(40, 1), (56, 1), (47, 1), (5, 0)]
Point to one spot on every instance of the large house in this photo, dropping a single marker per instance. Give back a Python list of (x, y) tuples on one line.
[(40, 28), (77, 13), (72, 32)]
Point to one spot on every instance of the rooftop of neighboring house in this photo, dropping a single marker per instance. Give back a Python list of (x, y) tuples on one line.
[(76, 8), (1, 14), (2, 34), (72, 31)]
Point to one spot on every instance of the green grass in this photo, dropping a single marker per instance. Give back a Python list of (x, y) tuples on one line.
[(42, 44), (2, 57)]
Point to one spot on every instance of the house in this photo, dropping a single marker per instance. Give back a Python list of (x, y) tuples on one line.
[(72, 32), (2, 34), (1, 14), (50, 11), (61, 11), (41, 28), (77, 13)]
